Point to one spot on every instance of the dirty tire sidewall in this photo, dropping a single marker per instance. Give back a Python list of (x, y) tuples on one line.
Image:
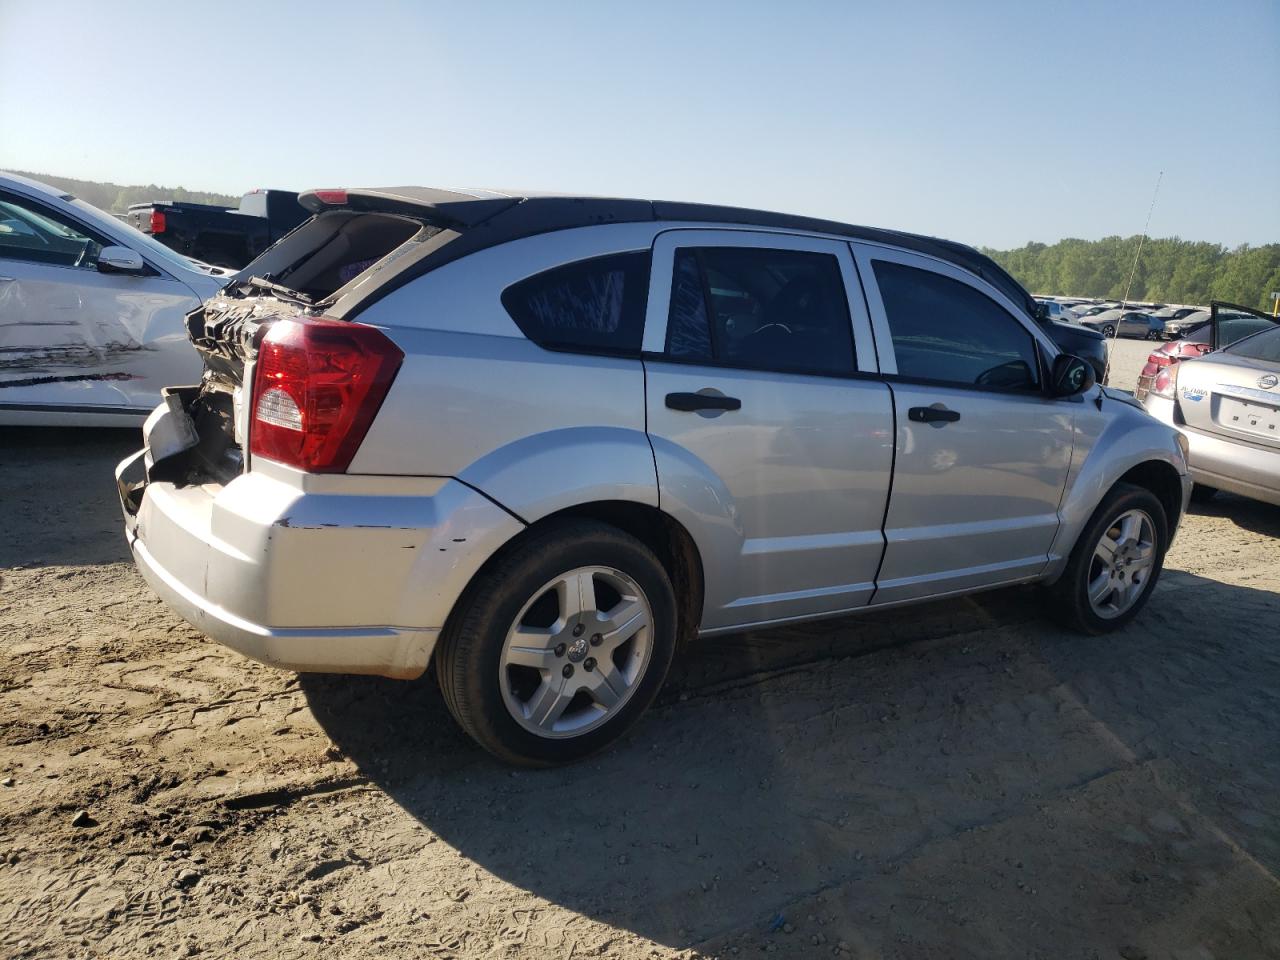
[(470, 648), (1071, 592)]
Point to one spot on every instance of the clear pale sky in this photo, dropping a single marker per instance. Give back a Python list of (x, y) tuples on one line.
[(989, 123)]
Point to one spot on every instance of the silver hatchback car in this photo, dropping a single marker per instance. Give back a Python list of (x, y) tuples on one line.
[(539, 441)]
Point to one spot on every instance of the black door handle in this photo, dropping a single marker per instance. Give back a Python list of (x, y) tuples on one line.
[(702, 401), (933, 415)]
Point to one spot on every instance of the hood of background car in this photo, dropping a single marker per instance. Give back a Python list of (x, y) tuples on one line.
[(1077, 329)]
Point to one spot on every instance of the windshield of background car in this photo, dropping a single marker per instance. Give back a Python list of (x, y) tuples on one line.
[(23, 221), (1260, 346), (29, 233)]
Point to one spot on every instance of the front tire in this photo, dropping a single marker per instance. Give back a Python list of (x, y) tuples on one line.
[(1115, 563), (1108, 331), (559, 645)]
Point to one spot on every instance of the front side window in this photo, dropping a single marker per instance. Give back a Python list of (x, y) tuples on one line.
[(591, 306), (31, 233), (760, 309), (947, 331)]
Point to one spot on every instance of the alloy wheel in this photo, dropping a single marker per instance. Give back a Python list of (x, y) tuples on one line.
[(576, 652), (1122, 564)]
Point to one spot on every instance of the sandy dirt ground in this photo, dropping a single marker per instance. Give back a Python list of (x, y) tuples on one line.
[(959, 780)]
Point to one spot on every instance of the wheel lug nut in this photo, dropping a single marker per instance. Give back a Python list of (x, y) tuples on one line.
[(595, 639), (560, 649), (568, 670), (578, 629), (589, 663)]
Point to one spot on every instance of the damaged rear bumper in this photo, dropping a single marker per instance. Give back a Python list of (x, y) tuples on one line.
[(328, 574)]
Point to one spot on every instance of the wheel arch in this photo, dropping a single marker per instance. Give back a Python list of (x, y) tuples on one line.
[(1129, 447), (1159, 477), (673, 545)]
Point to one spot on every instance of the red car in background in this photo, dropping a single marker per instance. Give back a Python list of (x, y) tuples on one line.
[(1202, 332)]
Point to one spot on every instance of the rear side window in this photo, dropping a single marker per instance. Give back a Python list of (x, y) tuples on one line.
[(591, 306), (760, 309), (945, 330)]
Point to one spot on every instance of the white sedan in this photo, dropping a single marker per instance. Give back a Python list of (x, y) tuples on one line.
[(91, 312)]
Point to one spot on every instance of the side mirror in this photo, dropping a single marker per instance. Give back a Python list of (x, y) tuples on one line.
[(120, 260), (1070, 376)]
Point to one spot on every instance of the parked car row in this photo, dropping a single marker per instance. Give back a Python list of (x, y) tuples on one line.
[(1147, 321)]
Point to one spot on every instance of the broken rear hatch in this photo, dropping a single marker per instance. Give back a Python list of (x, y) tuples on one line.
[(354, 244)]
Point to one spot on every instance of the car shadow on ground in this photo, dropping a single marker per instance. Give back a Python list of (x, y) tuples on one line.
[(74, 513), (917, 759), (1252, 515), (925, 764)]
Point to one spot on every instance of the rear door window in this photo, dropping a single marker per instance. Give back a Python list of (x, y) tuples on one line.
[(760, 309), (946, 331), (590, 306)]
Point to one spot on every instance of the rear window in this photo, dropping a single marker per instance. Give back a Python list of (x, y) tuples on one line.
[(590, 306), (338, 247), (1260, 346), (1233, 326), (357, 244)]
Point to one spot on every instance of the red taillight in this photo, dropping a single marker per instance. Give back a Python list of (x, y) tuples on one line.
[(157, 221), (317, 385), (338, 197), (1166, 382)]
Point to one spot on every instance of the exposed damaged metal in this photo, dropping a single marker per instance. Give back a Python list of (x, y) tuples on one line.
[(71, 378)]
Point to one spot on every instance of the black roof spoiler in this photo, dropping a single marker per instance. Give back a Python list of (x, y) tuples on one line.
[(444, 208)]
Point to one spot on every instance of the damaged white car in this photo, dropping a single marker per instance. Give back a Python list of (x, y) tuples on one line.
[(92, 312)]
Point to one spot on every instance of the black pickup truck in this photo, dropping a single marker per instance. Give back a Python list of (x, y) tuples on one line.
[(226, 238)]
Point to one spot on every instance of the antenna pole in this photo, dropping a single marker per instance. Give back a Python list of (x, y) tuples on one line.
[(1141, 240)]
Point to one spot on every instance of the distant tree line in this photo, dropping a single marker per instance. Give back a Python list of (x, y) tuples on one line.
[(115, 198), (1169, 271)]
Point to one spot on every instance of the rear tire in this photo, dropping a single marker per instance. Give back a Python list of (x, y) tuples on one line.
[(1115, 563), (559, 645)]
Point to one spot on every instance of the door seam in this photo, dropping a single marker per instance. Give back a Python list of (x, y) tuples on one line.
[(888, 498)]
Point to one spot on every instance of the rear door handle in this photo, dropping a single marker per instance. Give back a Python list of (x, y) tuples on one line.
[(702, 401), (933, 415)]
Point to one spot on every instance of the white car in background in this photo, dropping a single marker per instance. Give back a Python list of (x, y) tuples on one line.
[(1058, 311), (91, 312)]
